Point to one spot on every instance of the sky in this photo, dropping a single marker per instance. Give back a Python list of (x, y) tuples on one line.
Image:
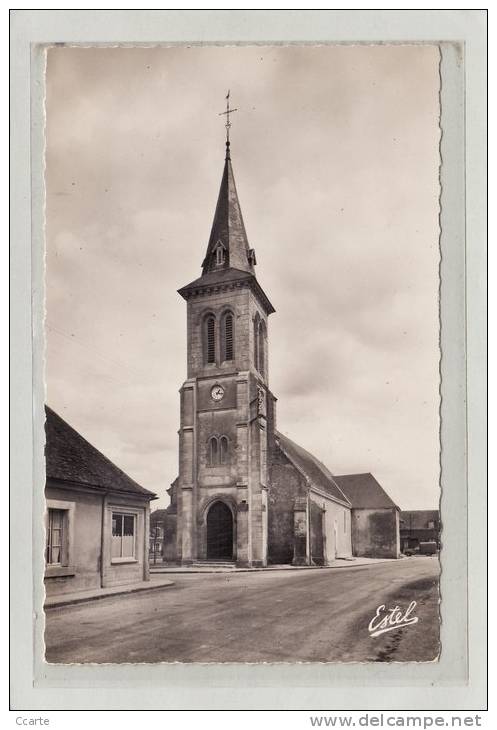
[(335, 151)]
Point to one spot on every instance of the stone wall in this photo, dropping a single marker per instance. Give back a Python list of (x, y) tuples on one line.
[(286, 484), (317, 533), (170, 531), (375, 533)]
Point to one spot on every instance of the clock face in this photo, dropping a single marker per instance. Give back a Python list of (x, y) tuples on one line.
[(217, 392)]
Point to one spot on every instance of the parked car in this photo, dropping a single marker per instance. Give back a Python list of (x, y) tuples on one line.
[(428, 548)]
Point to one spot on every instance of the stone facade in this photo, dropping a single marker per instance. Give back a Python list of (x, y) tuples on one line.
[(240, 481), (375, 533), (375, 517)]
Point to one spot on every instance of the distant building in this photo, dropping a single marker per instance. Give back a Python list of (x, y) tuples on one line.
[(170, 554), (375, 517), (156, 551), (417, 526), (97, 518)]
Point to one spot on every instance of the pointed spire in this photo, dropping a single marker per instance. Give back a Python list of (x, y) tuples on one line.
[(228, 244), (229, 260)]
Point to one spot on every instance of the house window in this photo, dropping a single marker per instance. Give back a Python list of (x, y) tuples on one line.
[(123, 535), (210, 339), (56, 529), (344, 521), (59, 526), (228, 337)]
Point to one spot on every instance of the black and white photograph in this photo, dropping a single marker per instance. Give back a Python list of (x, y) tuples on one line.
[(242, 354)]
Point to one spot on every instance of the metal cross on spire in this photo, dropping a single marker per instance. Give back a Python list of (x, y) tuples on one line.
[(227, 113)]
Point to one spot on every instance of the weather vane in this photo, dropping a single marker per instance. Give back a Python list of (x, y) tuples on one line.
[(227, 114)]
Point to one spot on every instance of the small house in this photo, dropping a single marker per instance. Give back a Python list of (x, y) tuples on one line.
[(375, 517), (97, 517)]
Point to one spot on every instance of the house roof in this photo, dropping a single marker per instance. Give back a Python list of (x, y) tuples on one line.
[(418, 519), (222, 276), (71, 458), (314, 470), (363, 491), (157, 515)]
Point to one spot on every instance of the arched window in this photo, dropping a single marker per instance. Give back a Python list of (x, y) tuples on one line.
[(223, 450), (217, 450), (256, 341), (228, 339), (262, 348), (213, 451), (210, 339)]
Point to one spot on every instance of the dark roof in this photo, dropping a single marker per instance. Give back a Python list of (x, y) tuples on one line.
[(228, 226), (157, 515), (363, 491), (418, 519), (222, 276), (226, 276), (71, 458), (316, 472)]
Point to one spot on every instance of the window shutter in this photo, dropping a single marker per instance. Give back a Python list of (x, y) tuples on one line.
[(256, 343), (228, 336), (211, 347), (262, 348)]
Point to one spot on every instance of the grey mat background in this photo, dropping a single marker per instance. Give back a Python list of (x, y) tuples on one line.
[(457, 681)]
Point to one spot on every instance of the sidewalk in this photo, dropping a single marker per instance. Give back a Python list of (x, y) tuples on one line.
[(156, 581), (335, 564)]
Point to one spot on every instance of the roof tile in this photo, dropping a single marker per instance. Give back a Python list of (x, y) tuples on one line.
[(364, 492), (315, 471), (70, 457)]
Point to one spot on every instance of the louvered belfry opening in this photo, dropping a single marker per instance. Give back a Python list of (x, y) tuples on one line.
[(228, 337), (256, 341), (210, 339), (262, 348)]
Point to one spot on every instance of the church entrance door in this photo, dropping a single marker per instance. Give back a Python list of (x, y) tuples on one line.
[(219, 532)]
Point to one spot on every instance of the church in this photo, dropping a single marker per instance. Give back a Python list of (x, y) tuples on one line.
[(246, 494)]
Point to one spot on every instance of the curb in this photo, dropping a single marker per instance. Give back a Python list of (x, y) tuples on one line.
[(85, 599), (190, 571)]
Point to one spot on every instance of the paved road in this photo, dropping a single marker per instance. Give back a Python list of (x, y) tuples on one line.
[(315, 615)]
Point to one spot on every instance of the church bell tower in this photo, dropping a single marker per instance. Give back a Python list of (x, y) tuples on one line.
[(226, 406)]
